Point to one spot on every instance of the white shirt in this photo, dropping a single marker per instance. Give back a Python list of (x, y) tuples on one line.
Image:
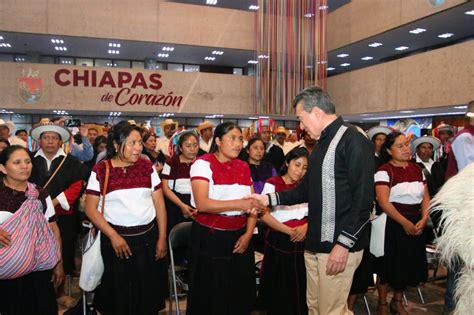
[(48, 162), (205, 146), (162, 144), (427, 165)]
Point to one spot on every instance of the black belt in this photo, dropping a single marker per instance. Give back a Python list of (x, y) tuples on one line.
[(133, 230)]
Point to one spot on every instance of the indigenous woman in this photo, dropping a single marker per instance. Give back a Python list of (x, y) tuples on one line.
[(283, 276), (222, 269), (149, 145), (32, 293), (259, 170), (176, 179), (133, 226), (402, 194)]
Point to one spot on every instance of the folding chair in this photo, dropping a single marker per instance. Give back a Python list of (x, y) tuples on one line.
[(179, 237)]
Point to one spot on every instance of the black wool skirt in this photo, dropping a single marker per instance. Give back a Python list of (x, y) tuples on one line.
[(221, 283), (404, 262), (30, 294), (137, 285), (363, 276), (283, 276)]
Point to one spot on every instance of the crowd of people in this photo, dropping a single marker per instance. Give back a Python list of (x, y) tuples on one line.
[(312, 202)]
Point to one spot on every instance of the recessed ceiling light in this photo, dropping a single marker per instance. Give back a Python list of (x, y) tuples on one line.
[(57, 41), (418, 30), (461, 107), (5, 45), (330, 69), (401, 48), (60, 48), (323, 7), (263, 57), (113, 52), (116, 45), (406, 111), (66, 62), (163, 55), (343, 55), (168, 49), (209, 58), (469, 12), (211, 2), (254, 7), (367, 58), (346, 64), (254, 62), (217, 52), (445, 35), (19, 59), (374, 45), (1, 37)]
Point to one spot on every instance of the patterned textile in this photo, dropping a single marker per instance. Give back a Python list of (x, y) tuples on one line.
[(34, 246)]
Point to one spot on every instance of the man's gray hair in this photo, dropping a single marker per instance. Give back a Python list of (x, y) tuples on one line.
[(315, 97)]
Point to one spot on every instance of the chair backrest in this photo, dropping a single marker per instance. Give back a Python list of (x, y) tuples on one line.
[(180, 235)]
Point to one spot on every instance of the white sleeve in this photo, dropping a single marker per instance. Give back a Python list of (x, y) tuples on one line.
[(93, 184), (155, 180), (381, 177), (50, 212), (166, 170), (268, 189), (61, 198), (201, 170)]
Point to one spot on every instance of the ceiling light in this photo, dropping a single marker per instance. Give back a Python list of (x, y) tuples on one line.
[(209, 58), (406, 111), (57, 41), (66, 62), (401, 48), (253, 62), (374, 45), (461, 107), (167, 48), (114, 52), (343, 55), (346, 64), (330, 69), (469, 12), (5, 45), (418, 31), (163, 55), (445, 35), (263, 57), (115, 45), (60, 112), (254, 7), (1, 37), (217, 52), (60, 48), (323, 7), (211, 2), (367, 58), (19, 59)]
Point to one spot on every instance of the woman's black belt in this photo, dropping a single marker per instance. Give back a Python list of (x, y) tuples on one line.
[(133, 230)]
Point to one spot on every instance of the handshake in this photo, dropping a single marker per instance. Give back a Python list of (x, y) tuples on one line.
[(253, 204)]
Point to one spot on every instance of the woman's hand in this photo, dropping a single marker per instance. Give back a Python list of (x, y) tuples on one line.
[(158, 167), (188, 211), (5, 238), (409, 228), (58, 275), (120, 247), (161, 248), (250, 206), (420, 226), (242, 244), (300, 233)]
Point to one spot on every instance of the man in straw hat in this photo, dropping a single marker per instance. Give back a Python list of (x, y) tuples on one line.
[(377, 135), (168, 126), (205, 130), (6, 130), (281, 136), (444, 133), (62, 176)]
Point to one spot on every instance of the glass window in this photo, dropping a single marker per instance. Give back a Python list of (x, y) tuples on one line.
[(238, 71), (251, 71), (122, 63), (66, 61), (138, 65), (175, 67), (191, 68), (103, 63), (84, 62)]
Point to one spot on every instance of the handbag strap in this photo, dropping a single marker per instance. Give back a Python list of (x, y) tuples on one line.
[(106, 182), (55, 172)]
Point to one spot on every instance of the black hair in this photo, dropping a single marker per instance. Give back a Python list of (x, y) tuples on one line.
[(147, 136), (5, 141), (389, 141), (375, 136), (117, 135), (98, 141), (253, 140), (294, 154), (19, 131), (220, 131), (183, 137), (7, 152), (315, 97)]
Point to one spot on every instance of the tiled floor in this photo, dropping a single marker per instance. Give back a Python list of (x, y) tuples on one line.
[(433, 294)]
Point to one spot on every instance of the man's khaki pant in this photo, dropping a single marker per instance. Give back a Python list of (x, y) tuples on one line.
[(327, 295)]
